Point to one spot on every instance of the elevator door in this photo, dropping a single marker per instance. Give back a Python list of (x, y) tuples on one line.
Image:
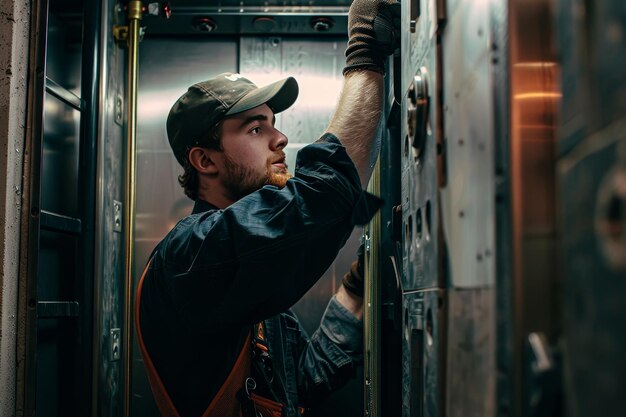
[(60, 252)]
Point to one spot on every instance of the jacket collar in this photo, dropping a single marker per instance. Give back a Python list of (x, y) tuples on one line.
[(201, 206)]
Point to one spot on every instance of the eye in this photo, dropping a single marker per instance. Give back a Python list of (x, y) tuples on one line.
[(255, 130)]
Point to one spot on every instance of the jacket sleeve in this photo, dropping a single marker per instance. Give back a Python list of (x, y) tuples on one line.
[(330, 357)]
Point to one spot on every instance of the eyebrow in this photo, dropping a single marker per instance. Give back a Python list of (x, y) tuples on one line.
[(254, 118)]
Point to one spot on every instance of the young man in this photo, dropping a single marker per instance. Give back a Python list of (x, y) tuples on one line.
[(212, 308)]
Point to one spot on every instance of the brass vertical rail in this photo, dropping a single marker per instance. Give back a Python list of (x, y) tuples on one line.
[(371, 312), (134, 16)]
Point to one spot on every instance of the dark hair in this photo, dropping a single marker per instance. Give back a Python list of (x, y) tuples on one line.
[(189, 179)]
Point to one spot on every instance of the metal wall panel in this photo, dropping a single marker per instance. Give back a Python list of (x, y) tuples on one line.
[(420, 208), (574, 77), (59, 190), (471, 378), (423, 337), (594, 250), (468, 200), (591, 174), (109, 259)]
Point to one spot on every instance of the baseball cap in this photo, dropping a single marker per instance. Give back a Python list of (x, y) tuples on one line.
[(206, 103)]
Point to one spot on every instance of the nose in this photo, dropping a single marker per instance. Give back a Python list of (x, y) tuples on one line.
[(279, 141)]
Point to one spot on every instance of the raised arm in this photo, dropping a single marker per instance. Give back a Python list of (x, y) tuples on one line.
[(373, 36), (356, 119)]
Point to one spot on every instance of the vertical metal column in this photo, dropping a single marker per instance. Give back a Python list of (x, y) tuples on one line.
[(371, 312), (134, 16)]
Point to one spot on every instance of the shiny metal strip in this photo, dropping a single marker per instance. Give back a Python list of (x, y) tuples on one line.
[(134, 16), (371, 311), (60, 223), (63, 94), (263, 11), (99, 219)]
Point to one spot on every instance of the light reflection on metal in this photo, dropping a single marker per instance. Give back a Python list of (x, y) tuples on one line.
[(134, 16), (371, 311), (538, 95), (535, 99)]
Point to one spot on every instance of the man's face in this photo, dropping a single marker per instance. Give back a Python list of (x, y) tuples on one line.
[(253, 152)]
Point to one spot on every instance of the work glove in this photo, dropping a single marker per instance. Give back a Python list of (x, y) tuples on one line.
[(353, 279), (374, 33)]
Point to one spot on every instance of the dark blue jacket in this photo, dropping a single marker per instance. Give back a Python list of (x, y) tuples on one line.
[(220, 271)]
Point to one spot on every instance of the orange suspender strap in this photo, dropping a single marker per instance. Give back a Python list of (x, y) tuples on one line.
[(225, 403)]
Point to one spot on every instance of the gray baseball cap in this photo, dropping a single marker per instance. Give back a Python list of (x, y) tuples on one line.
[(207, 103)]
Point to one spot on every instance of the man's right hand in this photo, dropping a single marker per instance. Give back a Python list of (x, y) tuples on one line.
[(373, 28)]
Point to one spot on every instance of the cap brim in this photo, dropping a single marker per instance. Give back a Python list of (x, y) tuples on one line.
[(279, 96)]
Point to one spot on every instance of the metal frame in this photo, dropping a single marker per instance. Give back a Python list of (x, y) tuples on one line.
[(87, 189), (29, 240)]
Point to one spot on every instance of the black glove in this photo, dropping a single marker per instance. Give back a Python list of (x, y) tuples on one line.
[(353, 279), (374, 33)]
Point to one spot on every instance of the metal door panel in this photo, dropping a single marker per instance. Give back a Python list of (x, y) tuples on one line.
[(468, 200), (108, 288), (422, 388), (63, 53), (419, 166), (591, 182)]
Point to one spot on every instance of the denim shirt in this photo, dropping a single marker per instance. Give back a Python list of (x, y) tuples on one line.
[(220, 271), (308, 369)]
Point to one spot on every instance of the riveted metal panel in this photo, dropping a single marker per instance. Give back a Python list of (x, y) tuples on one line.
[(468, 199), (420, 208), (108, 287)]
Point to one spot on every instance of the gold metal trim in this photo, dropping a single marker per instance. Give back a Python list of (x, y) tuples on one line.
[(134, 16)]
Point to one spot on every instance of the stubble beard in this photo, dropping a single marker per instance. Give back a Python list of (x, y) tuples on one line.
[(241, 180)]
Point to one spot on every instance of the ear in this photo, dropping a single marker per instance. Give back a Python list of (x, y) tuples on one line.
[(201, 159)]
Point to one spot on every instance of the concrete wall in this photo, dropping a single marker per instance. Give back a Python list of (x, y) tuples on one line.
[(14, 43)]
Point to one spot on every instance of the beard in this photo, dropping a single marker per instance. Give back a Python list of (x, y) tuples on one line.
[(241, 180)]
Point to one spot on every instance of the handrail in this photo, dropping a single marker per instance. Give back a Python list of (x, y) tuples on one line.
[(134, 16)]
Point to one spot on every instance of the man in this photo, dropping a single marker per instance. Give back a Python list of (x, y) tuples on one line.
[(218, 287)]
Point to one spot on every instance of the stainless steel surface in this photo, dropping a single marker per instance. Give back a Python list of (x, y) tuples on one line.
[(469, 198), (535, 98), (60, 158), (109, 278), (63, 55), (471, 378), (253, 18)]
